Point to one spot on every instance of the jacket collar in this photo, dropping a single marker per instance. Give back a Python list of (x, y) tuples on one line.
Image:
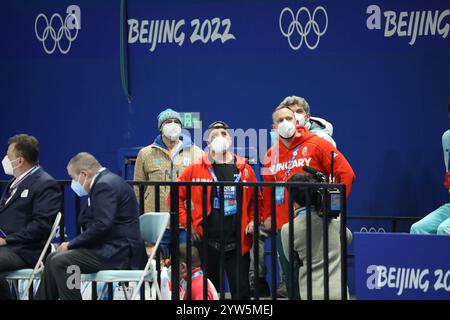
[(186, 142), (97, 178), (25, 184), (304, 136)]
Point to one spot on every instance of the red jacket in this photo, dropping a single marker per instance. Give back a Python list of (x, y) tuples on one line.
[(197, 287), (314, 152), (198, 172)]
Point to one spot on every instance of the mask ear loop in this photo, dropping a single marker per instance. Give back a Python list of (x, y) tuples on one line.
[(14, 168), (80, 182)]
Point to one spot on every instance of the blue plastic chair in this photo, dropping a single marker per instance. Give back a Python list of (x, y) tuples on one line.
[(152, 226), (32, 274)]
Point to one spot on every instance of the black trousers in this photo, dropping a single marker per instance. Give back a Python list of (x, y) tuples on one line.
[(9, 261), (55, 281), (230, 269)]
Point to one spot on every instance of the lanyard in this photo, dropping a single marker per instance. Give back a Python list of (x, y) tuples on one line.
[(197, 274), (15, 184), (302, 211), (183, 283), (213, 175), (288, 170), (294, 155)]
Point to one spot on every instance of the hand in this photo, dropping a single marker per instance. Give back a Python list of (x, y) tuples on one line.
[(63, 247), (2, 242), (250, 228), (268, 224), (195, 236)]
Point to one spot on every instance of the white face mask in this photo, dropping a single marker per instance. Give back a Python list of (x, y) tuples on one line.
[(286, 129), (7, 166), (172, 131), (301, 120), (219, 145)]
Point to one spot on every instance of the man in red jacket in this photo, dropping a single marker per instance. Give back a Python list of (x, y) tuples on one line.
[(297, 147), (220, 164)]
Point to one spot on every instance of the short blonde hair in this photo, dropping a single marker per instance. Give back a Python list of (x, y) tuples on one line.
[(84, 161), (294, 100)]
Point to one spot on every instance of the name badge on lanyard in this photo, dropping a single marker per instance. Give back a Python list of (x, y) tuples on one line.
[(279, 191), (279, 195), (229, 194)]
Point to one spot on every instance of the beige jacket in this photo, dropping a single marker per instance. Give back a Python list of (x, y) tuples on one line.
[(334, 254), (154, 163)]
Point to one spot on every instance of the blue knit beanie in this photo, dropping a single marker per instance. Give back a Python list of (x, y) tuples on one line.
[(166, 115)]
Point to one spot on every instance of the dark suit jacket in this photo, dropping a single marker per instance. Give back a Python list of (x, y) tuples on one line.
[(110, 223), (28, 217)]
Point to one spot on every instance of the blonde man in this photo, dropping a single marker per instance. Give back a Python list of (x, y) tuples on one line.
[(302, 111)]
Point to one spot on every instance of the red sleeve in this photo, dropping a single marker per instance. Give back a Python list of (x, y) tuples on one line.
[(267, 176), (342, 171), (251, 207)]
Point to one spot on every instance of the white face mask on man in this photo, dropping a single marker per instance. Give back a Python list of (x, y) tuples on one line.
[(301, 120), (286, 129), (219, 144), (172, 131), (7, 166)]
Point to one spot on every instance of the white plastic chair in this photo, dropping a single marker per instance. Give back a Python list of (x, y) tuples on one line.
[(152, 226), (30, 274)]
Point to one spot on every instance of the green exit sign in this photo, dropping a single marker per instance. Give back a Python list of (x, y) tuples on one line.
[(191, 120)]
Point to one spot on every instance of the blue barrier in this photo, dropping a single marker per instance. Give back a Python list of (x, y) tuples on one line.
[(393, 266)]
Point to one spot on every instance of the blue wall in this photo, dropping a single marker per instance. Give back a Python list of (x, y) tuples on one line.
[(387, 99)]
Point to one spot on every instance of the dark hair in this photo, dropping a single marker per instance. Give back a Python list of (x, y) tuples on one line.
[(26, 147), (195, 256), (299, 194)]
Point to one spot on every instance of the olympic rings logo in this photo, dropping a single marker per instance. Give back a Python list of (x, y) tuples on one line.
[(372, 230), (303, 30), (64, 31)]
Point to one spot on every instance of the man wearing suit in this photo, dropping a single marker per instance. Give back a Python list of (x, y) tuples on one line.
[(28, 208), (110, 237)]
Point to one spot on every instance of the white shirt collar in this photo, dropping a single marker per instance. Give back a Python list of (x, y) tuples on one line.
[(98, 172)]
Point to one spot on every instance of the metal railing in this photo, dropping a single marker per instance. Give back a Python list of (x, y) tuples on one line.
[(255, 188)]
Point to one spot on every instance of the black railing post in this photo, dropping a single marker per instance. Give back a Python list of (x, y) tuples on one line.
[(255, 241), (308, 248), (343, 244), (204, 240), (94, 290), (291, 246), (188, 243), (273, 241), (394, 225), (239, 239), (77, 215), (325, 223), (110, 291), (31, 291), (174, 239), (158, 252), (222, 244), (141, 199)]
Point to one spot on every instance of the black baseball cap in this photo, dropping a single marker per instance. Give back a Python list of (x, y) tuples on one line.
[(218, 125)]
